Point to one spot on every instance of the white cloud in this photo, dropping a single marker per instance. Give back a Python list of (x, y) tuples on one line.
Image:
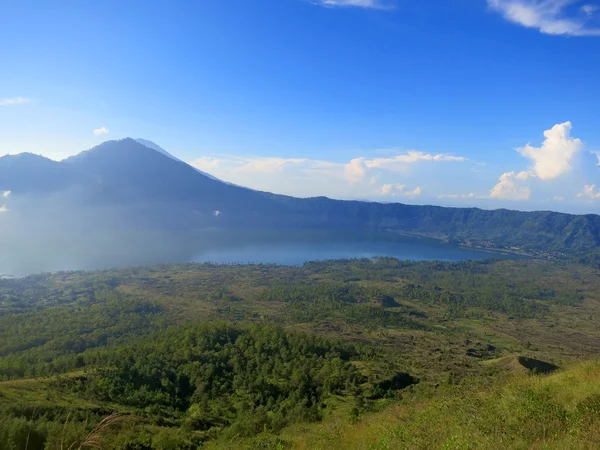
[(559, 165), (511, 186), (5, 194), (355, 170), (101, 130), (206, 163), (14, 101), (269, 165), (410, 157), (357, 178), (3, 209), (461, 196), (256, 165), (590, 192), (552, 17), (589, 10), (366, 4), (399, 190), (554, 157)]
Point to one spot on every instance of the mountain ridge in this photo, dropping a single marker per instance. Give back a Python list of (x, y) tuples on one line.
[(158, 148), (155, 190)]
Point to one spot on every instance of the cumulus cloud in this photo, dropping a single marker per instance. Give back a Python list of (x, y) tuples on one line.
[(5, 194), (590, 192), (561, 165), (3, 209), (399, 190), (511, 186), (553, 17), (355, 170), (366, 4), (554, 157), (101, 130), (14, 101)]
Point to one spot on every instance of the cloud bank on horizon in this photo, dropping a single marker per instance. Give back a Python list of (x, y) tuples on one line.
[(381, 177), (559, 170)]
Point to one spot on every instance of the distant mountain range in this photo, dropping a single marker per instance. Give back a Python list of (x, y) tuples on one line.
[(136, 185)]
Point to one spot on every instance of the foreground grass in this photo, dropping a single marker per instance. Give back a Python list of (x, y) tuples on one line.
[(516, 411)]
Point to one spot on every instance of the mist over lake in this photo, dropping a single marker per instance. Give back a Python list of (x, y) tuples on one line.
[(297, 253), (51, 252)]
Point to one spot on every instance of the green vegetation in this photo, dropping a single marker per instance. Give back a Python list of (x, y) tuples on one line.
[(218, 376), (335, 354), (545, 231), (558, 411)]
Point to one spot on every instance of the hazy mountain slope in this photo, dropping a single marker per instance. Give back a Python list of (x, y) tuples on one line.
[(129, 171), (27, 173), (159, 149)]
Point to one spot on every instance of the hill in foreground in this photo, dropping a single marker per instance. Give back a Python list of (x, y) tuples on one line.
[(356, 353)]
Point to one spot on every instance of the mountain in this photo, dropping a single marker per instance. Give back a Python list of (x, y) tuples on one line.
[(27, 173), (139, 186), (159, 149), (128, 171), (156, 190)]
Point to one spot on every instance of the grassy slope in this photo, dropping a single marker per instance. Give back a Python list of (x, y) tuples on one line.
[(516, 411), (40, 392)]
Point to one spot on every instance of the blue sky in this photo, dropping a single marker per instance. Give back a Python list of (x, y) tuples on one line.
[(390, 100)]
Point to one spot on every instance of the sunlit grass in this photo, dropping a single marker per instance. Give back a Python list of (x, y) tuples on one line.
[(520, 412)]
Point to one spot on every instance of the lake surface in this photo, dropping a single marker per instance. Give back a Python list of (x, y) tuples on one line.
[(109, 250), (297, 253)]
